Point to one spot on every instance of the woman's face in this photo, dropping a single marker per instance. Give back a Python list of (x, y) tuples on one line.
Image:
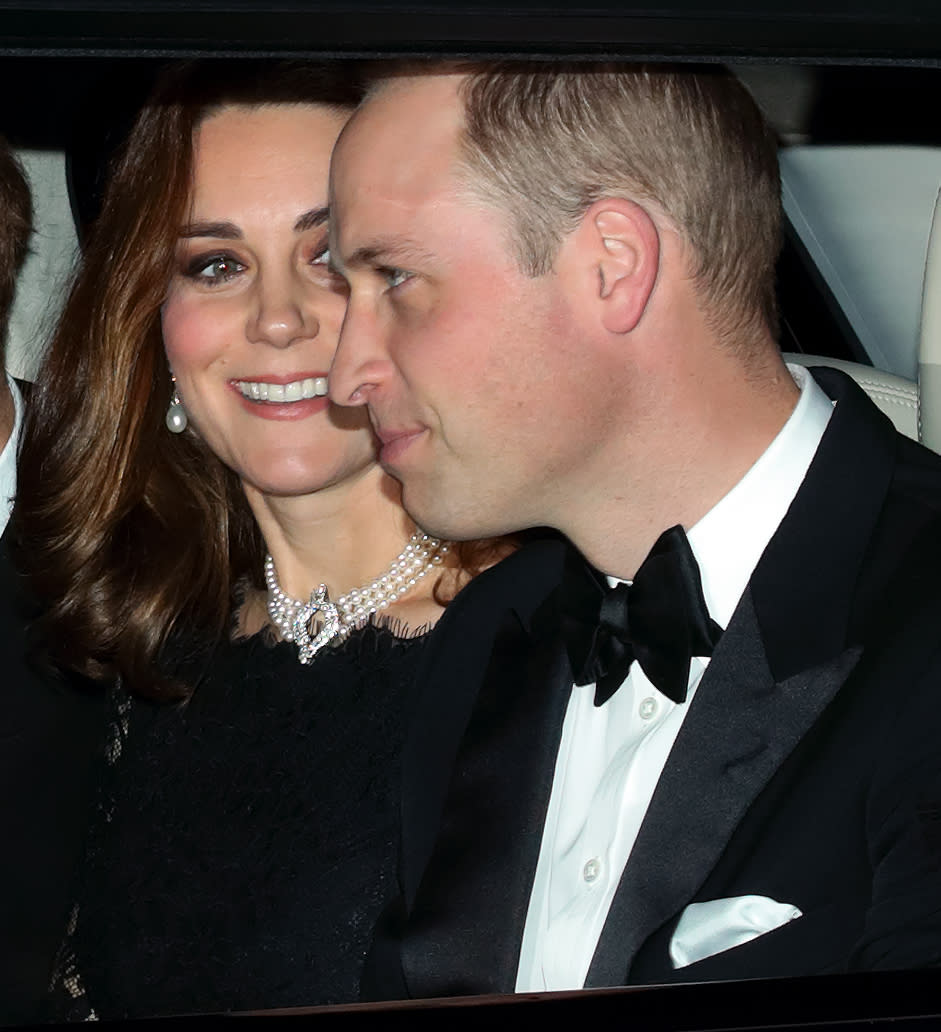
[(252, 310)]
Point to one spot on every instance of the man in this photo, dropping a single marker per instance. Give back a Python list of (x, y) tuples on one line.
[(561, 314), (48, 736)]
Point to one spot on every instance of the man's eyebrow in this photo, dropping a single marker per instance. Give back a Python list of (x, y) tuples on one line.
[(387, 252)]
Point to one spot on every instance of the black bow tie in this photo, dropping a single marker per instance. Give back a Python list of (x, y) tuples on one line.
[(661, 620)]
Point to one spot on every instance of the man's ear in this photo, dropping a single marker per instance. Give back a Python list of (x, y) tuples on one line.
[(624, 243)]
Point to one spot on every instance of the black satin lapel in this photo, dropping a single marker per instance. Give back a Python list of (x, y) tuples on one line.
[(497, 605), (828, 529), (740, 728), (467, 921)]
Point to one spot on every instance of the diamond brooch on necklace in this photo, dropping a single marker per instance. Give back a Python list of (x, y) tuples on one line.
[(298, 621)]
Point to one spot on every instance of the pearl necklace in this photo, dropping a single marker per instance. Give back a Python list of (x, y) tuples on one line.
[(293, 617)]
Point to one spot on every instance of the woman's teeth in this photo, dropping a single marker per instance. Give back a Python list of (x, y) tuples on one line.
[(297, 390)]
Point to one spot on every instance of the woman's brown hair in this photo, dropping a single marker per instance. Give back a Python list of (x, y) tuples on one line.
[(129, 534)]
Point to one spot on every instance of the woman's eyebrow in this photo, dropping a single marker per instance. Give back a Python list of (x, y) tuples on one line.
[(230, 231), (312, 219), (224, 230)]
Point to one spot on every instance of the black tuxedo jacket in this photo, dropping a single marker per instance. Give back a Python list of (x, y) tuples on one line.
[(50, 738), (808, 768)]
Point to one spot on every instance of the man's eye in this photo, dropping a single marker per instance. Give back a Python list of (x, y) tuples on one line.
[(322, 257), (395, 277)]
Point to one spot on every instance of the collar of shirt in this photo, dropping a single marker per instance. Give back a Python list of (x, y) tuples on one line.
[(730, 539), (8, 457)]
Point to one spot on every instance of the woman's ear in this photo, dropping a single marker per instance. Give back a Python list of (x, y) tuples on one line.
[(625, 244)]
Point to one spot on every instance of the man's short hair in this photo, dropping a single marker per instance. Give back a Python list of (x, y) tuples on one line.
[(16, 221), (546, 141)]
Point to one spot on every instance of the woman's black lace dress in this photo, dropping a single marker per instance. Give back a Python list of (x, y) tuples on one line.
[(247, 841)]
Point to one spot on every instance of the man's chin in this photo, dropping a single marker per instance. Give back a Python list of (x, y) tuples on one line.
[(428, 510), (442, 515)]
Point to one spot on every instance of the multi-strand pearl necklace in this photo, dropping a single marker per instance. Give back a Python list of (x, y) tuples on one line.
[(293, 617)]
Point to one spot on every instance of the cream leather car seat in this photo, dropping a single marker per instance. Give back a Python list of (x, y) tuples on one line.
[(867, 216), (914, 408), (929, 344), (894, 395)]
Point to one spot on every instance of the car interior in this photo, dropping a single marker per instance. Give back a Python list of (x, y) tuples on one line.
[(853, 90)]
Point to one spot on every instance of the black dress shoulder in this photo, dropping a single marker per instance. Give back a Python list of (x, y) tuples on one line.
[(247, 840)]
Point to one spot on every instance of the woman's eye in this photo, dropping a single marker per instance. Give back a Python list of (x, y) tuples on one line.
[(395, 277), (219, 268), (322, 257)]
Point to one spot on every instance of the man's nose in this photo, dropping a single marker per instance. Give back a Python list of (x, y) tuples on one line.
[(361, 364)]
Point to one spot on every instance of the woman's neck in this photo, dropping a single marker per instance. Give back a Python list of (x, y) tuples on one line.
[(343, 536)]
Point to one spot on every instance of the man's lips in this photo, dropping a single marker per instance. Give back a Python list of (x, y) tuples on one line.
[(394, 443)]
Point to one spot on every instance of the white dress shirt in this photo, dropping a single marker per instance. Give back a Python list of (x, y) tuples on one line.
[(8, 457), (611, 757)]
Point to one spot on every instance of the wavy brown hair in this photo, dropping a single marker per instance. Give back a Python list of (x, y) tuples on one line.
[(130, 535)]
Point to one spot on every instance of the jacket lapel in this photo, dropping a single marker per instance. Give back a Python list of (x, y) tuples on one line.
[(493, 611), (470, 908), (741, 726)]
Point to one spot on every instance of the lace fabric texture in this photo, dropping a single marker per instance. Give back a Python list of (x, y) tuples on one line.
[(244, 843)]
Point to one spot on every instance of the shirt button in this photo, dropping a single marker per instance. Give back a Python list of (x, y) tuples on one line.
[(591, 870), (648, 708)]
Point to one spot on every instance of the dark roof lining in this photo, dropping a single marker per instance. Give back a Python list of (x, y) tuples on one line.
[(825, 30)]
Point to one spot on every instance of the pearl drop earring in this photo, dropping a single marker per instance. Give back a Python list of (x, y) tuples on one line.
[(176, 415)]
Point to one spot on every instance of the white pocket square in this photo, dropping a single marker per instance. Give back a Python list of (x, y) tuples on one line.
[(705, 929)]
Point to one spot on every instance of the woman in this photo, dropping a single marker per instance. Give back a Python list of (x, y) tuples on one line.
[(181, 432)]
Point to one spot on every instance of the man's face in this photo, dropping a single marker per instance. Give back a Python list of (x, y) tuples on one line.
[(472, 371)]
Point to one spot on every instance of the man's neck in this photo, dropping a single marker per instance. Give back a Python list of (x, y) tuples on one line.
[(680, 471)]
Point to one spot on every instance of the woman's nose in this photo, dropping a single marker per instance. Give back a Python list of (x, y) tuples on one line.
[(283, 312)]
